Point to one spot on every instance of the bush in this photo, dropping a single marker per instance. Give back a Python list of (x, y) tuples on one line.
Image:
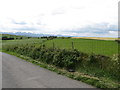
[(118, 41), (115, 66), (7, 38)]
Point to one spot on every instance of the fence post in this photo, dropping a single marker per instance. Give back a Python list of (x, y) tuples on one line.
[(72, 45)]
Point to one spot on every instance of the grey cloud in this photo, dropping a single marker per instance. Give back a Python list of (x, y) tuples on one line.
[(102, 28), (19, 22), (25, 28)]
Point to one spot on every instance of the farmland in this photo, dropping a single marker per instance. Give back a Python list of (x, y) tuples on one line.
[(18, 41), (96, 58), (104, 47), (90, 45), (98, 38)]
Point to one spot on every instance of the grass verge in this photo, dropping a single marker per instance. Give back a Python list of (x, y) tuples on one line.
[(95, 81)]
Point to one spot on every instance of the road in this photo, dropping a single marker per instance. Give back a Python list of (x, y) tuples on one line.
[(18, 73)]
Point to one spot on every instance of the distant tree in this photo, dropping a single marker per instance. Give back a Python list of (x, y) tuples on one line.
[(117, 41), (11, 38), (4, 38), (49, 38), (21, 38), (44, 37), (7, 38), (68, 37), (62, 37), (29, 37)]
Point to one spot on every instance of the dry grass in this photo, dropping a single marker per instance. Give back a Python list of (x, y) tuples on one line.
[(99, 38)]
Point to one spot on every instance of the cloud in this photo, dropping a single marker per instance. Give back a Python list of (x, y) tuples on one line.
[(73, 17), (20, 22), (58, 11)]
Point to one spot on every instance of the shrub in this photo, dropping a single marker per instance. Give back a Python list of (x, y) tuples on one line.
[(99, 61), (115, 66)]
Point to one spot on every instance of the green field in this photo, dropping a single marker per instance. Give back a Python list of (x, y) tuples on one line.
[(32, 41), (103, 47), (22, 41)]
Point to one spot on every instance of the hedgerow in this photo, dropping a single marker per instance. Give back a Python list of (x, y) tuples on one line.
[(70, 59)]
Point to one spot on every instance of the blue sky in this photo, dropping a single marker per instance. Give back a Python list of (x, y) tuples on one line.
[(92, 18)]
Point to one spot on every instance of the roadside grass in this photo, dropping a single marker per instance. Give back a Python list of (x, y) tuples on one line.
[(103, 83), (103, 47)]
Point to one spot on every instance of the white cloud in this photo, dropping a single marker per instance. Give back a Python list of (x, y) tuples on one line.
[(57, 16)]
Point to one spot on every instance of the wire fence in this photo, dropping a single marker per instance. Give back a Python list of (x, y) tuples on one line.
[(87, 47)]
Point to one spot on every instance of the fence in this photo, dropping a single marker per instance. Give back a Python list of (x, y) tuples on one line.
[(104, 48)]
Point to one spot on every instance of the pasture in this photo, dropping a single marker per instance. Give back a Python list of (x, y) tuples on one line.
[(103, 47), (90, 46), (31, 41)]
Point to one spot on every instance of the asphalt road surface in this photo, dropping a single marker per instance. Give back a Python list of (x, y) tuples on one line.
[(17, 73)]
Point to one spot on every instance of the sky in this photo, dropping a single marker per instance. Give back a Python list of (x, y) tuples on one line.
[(92, 18)]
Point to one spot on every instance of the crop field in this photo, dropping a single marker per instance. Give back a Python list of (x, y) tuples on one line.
[(103, 47), (98, 38)]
